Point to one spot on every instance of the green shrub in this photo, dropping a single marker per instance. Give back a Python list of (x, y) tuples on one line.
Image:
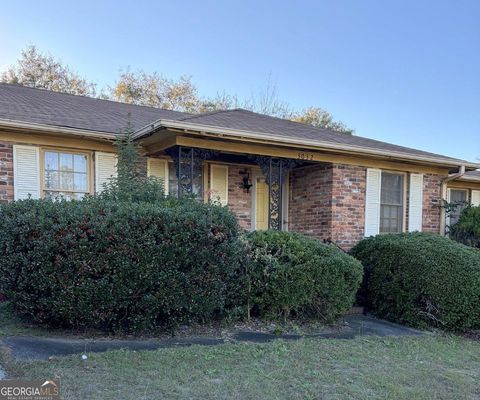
[(467, 229), (116, 265), (422, 279), (293, 274)]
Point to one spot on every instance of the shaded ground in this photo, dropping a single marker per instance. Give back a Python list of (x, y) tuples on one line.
[(41, 348), (367, 367)]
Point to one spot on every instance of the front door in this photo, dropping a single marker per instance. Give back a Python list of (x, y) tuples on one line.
[(261, 204)]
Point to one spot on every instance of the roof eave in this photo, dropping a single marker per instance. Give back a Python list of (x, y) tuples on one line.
[(314, 144), (13, 124)]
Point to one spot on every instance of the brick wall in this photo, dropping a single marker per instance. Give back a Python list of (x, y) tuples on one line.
[(6, 172), (432, 196), (348, 204), (310, 201), (328, 202), (239, 201)]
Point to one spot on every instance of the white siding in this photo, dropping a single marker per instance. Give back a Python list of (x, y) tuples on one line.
[(105, 168), (372, 202), (415, 208), (26, 172)]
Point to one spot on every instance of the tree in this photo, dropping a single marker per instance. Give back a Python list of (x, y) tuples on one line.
[(321, 118), (36, 69), (40, 70), (154, 90)]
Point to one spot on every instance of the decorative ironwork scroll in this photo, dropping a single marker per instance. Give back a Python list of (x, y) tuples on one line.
[(275, 171), (188, 164)]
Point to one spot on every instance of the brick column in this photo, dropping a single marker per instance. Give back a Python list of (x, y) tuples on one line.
[(6, 172)]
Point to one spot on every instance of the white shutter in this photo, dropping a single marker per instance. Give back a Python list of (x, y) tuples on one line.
[(159, 169), (219, 183), (372, 202), (475, 201), (26, 172), (415, 208), (105, 168)]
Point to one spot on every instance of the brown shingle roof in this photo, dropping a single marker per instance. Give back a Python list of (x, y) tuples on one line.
[(472, 175), (249, 121), (19, 103)]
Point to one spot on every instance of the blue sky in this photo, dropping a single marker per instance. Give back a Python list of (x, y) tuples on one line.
[(406, 72)]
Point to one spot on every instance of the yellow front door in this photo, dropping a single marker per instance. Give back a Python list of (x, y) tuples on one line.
[(261, 205)]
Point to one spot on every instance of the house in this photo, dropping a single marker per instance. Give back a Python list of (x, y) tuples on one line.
[(272, 173)]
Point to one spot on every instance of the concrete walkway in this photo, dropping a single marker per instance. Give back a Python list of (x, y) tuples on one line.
[(24, 348)]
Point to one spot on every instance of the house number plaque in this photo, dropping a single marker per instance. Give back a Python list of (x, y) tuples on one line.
[(305, 156)]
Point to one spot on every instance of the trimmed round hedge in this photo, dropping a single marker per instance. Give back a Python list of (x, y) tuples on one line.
[(118, 266), (467, 229), (291, 274), (421, 279)]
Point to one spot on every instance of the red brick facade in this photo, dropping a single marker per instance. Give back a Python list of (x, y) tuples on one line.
[(348, 204), (328, 202), (310, 206), (432, 196), (6, 172), (239, 201)]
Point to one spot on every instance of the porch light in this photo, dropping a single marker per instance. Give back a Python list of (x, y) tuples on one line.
[(246, 182)]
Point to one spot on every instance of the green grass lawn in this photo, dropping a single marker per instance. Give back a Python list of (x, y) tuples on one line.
[(429, 367)]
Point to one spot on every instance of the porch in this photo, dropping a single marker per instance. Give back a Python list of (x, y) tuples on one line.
[(268, 187)]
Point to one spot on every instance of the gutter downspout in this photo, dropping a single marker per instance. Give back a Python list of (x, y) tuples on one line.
[(450, 177)]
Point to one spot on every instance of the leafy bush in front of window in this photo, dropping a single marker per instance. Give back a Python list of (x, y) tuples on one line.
[(291, 274), (118, 265), (421, 279), (467, 229)]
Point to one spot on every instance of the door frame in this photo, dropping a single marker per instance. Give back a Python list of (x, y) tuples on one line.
[(285, 201)]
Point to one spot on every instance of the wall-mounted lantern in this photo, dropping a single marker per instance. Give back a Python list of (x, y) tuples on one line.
[(246, 182)]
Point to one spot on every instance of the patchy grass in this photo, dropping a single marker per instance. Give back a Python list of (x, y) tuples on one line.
[(428, 367)]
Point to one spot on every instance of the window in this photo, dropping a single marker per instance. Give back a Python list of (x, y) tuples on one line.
[(65, 174), (459, 198), (391, 203)]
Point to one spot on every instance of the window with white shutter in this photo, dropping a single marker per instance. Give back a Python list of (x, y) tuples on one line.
[(475, 200), (105, 169), (391, 202), (26, 172), (372, 202), (415, 208), (65, 174)]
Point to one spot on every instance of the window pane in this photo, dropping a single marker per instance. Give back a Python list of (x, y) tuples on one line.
[(66, 181), (391, 209), (51, 160), (80, 182), (459, 197), (52, 180), (80, 163), (392, 189), (66, 162)]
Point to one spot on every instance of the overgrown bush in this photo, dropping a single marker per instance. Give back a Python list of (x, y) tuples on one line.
[(422, 279), (467, 229), (293, 274), (114, 265)]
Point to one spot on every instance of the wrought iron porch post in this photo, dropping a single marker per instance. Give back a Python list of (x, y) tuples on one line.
[(274, 170), (188, 163)]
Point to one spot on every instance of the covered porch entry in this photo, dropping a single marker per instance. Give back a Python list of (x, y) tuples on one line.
[(254, 186)]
